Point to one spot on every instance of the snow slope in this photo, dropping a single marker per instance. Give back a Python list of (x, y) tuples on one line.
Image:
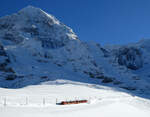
[(102, 101)]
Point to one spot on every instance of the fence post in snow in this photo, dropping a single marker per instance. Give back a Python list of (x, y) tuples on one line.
[(89, 101), (26, 100), (56, 100), (43, 101), (5, 101)]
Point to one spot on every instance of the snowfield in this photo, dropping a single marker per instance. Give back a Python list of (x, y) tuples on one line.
[(40, 101)]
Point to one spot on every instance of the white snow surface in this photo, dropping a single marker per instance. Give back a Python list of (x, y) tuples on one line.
[(102, 101)]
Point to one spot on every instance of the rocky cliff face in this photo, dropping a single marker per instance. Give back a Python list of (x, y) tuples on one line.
[(36, 47), (130, 57), (34, 23), (33, 38), (6, 72)]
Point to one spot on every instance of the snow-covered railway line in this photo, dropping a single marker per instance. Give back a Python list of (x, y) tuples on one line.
[(48, 101)]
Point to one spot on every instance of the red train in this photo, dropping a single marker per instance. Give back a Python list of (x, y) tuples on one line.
[(73, 102)]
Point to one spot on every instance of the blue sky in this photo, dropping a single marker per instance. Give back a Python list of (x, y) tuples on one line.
[(102, 21)]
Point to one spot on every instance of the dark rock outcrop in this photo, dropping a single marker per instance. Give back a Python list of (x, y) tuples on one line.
[(4, 65), (130, 57)]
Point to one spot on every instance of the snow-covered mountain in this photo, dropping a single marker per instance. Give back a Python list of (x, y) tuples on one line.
[(36, 47)]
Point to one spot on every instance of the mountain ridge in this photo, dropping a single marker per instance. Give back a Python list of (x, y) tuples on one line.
[(40, 48)]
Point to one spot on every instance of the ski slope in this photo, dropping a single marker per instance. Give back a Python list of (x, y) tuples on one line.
[(41, 101)]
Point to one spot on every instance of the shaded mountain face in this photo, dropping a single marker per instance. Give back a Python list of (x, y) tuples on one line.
[(6, 72), (36, 47), (130, 57), (4, 60), (39, 45), (34, 23)]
